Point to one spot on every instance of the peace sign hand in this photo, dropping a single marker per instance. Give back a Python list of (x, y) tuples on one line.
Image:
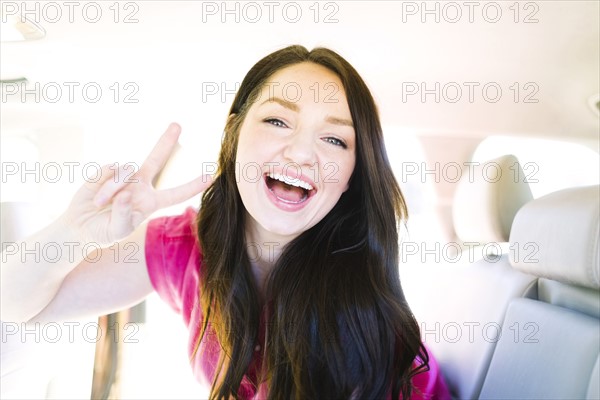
[(109, 209)]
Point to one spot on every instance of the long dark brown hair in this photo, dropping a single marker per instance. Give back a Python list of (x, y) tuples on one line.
[(338, 325)]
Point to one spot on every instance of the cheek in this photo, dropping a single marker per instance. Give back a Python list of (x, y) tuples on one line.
[(346, 171), (253, 145), (348, 175), (246, 151), (242, 146), (337, 174)]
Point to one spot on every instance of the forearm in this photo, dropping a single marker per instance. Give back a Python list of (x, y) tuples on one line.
[(33, 269)]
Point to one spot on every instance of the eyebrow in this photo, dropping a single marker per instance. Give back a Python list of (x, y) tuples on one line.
[(294, 107), (282, 102), (339, 121)]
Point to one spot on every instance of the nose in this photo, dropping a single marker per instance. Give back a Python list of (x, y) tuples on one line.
[(300, 148)]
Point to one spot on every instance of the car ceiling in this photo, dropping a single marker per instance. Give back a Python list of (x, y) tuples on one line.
[(171, 52)]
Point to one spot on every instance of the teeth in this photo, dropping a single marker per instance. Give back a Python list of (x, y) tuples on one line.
[(291, 181)]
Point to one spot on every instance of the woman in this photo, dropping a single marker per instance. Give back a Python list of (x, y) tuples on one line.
[(288, 280)]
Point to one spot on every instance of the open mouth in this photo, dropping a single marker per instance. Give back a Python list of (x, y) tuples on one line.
[(289, 190)]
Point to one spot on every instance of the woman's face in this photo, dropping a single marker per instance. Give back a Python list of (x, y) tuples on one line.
[(296, 150)]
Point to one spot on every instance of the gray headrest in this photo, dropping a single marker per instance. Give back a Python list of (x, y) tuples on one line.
[(556, 237)]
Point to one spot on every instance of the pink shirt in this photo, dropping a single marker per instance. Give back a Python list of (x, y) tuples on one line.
[(174, 260)]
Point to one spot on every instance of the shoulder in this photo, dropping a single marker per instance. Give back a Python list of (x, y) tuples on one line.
[(173, 257), (176, 226), (164, 235)]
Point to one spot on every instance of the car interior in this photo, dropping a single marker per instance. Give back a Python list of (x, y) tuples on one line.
[(491, 117)]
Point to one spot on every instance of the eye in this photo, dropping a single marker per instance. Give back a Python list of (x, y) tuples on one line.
[(336, 142), (276, 122)]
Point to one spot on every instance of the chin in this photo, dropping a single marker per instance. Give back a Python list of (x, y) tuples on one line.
[(282, 228)]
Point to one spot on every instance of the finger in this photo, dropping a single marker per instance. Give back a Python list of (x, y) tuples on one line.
[(120, 177), (160, 153), (181, 193), (105, 173), (120, 218)]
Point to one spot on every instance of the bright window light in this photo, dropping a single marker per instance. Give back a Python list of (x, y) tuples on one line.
[(548, 165), (16, 153), (405, 153)]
